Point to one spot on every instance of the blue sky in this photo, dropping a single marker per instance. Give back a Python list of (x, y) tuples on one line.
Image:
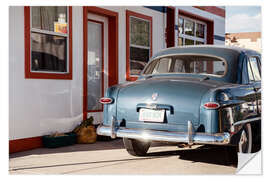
[(243, 19)]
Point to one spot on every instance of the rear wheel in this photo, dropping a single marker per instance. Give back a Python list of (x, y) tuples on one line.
[(136, 147)]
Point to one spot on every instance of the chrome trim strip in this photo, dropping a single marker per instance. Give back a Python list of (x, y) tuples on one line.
[(113, 128), (246, 121), (166, 136), (190, 133)]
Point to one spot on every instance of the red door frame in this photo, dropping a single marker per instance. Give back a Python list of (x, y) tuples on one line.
[(112, 50)]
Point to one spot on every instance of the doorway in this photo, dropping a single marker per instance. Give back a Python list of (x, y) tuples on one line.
[(100, 61)]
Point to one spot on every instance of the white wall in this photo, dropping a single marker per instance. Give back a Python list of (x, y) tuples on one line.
[(42, 106), (158, 33)]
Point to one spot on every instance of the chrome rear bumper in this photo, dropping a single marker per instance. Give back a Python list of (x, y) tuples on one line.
[(189, 137)]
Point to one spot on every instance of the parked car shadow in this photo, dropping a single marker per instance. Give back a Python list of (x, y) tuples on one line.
[(207, 154)]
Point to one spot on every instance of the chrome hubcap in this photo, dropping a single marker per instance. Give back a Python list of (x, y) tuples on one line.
[(243, 142)]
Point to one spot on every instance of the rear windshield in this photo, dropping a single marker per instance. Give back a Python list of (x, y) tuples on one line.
[(188, 64)]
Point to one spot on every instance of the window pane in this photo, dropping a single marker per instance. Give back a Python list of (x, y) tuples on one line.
[(52, 18), (199, 42), (94, 66), (181, 25), (255, 69), (139, 32), (163, 66), (189, 42), (138, 59), (48, 53), (194, 64), (218, 67), (179, 66), (197, 67), (189, 27), (180, 42), (250, 76), (200, 30)]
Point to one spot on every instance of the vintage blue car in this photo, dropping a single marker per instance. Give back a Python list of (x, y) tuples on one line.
[(192, 95)]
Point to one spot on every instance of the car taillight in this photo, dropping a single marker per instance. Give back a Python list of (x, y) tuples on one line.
[(105, 100), (211, 105)]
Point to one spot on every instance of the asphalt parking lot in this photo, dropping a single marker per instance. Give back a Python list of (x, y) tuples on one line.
[(110, 157)]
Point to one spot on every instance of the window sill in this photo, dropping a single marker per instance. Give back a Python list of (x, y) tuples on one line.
[(132, 78), (32, 75)]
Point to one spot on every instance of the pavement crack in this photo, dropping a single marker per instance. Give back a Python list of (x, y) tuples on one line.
[(85, 163)]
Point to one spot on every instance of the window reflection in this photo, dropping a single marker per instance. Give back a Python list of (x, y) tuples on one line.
[(200, 30), (139, 44), (50, 18), (255, 68), (48, 53), (189, 27), (187, 64), (94, 70)]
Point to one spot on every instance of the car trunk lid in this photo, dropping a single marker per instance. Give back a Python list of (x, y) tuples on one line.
[(180, 97)]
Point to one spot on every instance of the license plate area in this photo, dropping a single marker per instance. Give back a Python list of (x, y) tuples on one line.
[(151, 115)]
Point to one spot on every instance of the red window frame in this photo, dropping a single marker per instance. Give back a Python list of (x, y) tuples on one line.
[(209, 23), (27, 39), (102, 66), (141, 16), (209, 32)]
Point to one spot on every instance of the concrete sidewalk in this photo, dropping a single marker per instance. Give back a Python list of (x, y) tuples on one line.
[(110, 157)]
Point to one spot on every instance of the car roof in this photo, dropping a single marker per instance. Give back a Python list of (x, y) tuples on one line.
[(217, 50), (231, 54)]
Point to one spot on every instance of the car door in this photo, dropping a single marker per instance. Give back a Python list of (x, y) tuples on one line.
[(254, 70)]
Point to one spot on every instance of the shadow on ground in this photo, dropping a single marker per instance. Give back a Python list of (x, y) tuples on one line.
[(206, 154), (101, 144)]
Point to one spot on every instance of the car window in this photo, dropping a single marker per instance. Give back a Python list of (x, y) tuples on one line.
[(253, 69), (250, 75), (195, 64), (162, 66)]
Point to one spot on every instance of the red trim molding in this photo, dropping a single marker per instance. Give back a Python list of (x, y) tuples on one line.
[(170, 27), (212, 9), (19, 145), (27, 39), (142, 16), (112, 50)]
